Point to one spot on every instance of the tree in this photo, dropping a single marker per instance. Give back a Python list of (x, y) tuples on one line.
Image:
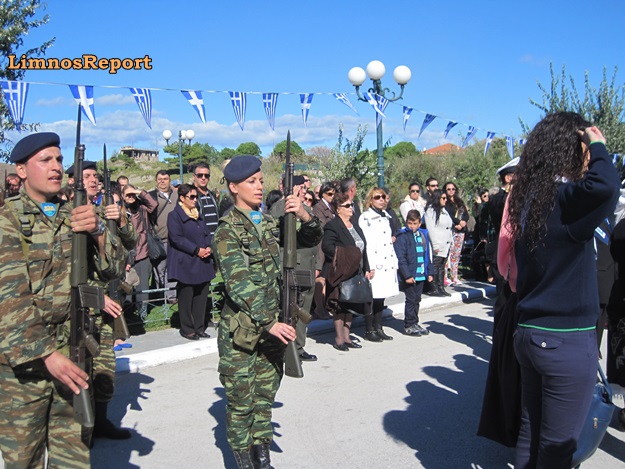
[(249, 148), (227, 153), (15, 23), (605, 107), (296, 150)]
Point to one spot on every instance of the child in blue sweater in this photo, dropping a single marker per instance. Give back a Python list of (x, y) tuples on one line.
[(414, 255)]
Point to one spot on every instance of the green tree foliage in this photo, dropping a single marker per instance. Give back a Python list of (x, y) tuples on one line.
[(16, 21), (603, 106), (192, 154), (249, 148), (280, 148), (227, 153)]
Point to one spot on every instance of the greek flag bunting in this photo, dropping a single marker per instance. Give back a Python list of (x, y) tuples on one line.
[(270, 101), (450, 126), (489, 139), (143, 97), (407, 112), (195, 100), (522, 141), (615, 158), (427, 121), (15, 93), (343, 98), (84, 96), (470, 134), (510, 145), (370, 97), (382, 103), (239, 101), (306, 100)]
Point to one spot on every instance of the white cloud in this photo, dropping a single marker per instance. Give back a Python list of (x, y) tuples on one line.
[(114, 100)]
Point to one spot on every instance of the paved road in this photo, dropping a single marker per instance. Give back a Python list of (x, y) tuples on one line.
[(409, 403)]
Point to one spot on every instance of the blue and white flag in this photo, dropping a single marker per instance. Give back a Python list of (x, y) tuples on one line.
[(84, 96), (382, 103), (239, 100), (407, 112), (510, 145), (343, 98), (15, 93), (370, 97), (270, 101), (427, 121), (615, 158), (489, 139), (470, 134), (195, 100), (522, 141), (306, 100), (450, 126), (143, 97)]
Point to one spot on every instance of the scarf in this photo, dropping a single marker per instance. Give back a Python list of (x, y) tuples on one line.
[(192, 213)]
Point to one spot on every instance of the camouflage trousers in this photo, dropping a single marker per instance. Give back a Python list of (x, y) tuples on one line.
[(103, 371), (36, 414), (251, 381)]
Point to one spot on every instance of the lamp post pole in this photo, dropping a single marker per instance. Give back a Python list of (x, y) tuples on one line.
[(182, 136), (375, 71)]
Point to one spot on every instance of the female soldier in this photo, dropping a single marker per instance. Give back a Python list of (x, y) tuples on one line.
[(251, 340)]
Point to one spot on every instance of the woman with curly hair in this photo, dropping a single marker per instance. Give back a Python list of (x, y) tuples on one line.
[(459, 214), (438, 223), (569, 185)]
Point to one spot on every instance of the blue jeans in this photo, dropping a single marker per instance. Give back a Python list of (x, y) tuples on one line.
[(558, 375)]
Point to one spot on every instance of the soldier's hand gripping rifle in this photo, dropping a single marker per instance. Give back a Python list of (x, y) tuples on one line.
[(290, 308), (120, 328), (84, 296)]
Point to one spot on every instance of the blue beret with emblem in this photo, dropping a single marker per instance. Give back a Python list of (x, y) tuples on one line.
[(32, 143), (241, 167)]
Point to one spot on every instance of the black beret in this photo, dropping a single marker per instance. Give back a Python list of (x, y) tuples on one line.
[(85, 165), (297, 180), (32, 143), (241, 167)]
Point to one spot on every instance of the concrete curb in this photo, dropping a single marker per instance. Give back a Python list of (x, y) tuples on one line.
[(136, 362)]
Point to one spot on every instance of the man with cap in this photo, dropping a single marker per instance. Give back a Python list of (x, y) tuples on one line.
[(37, 379), (251, 340), (306, 261)]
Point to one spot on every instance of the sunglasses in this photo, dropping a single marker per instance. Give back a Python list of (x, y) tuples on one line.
[(306, 180), (203, 175), (330, 193), (379, 196), (309, 199), (347, 205), (192, 197), (414, 191), (443, 198), (451, 189)]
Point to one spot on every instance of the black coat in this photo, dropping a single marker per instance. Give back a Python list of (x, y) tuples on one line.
[(335, 233)]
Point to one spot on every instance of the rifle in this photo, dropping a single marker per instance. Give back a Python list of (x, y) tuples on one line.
[(83, 297), (120, 328), (6, 185), (290, 308)]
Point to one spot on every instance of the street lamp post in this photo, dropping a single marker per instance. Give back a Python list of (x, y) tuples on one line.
[(375, 71), (182, 136)]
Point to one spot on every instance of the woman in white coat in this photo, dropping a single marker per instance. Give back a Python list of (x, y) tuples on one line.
[(439, 223), (376, 226)]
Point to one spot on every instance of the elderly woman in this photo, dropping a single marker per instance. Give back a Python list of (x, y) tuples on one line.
[(189, 262), (565, 186), (439, 225), (376, 224)]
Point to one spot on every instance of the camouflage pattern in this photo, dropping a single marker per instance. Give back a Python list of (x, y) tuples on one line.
[(250, 359), (35, 261)]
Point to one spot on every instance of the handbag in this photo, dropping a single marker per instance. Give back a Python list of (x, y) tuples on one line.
[(356, 290), (597, 421), (156, 248)]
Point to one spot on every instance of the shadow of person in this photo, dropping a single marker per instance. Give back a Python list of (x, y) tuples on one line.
[(441, 418), (469, 331)]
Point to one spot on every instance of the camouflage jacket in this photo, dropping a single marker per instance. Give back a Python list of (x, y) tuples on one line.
[(35, 264), (250, 265)]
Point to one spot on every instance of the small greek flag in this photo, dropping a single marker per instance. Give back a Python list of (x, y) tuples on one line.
[(522, 141), (489, 139), (143, 97), (15, 93), (382, 103), (84, 96), (370, 97), (470, 134), (306, 100), (510, 145), (407, 112), (450, 126), (239, 100), (195, 100), (427, 121), (615, 158), (270, 101), (343, 98)]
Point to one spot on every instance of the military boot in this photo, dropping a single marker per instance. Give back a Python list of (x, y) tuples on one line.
[(104, 428), (244, 459), (262, 458)]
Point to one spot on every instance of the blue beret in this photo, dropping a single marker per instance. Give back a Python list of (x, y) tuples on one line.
[(241, 167), (297, 180), (85, 165), (32, 143)]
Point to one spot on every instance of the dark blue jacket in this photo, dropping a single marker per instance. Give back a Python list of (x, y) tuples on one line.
[(406, 250), (186, 236)]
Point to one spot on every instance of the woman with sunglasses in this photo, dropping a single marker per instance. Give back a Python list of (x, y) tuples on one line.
[(439, 225), (376, 224), (459, 214), (189, 262)]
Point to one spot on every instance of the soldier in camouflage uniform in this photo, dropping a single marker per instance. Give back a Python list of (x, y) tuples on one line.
[(36, 376), (251, 340)]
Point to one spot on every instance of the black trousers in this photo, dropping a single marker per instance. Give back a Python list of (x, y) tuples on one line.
[(192, 307), (413, 292)]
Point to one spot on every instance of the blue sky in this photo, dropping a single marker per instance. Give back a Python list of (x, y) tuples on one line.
[(477, 63)]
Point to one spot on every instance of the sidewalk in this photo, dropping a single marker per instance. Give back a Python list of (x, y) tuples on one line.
[(160, 347)]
